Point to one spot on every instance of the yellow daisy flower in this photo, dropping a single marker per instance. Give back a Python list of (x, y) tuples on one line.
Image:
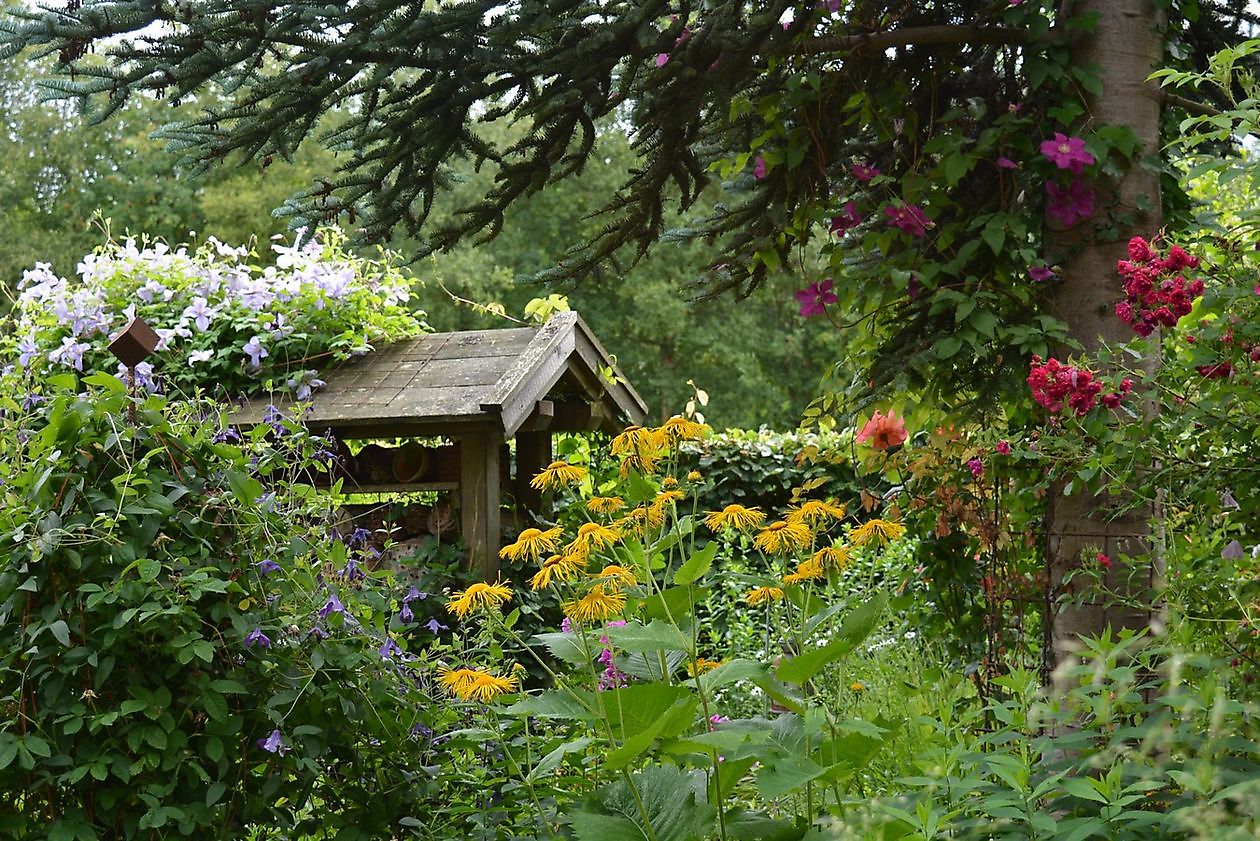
[(532, 543), (760, 595), (878, 532), (835, 558), (669, 483), (808, 570), (557, 568), (474, 684), (667, 496), (592, 537), (605, 504), (479, 596), (734, 517), (619, 575), (638, 449), (815, 512), (557, 475), (694, 476), (637, 521), (702, 665), (600, 604), (678, 429), (857, 686), (782, 537)]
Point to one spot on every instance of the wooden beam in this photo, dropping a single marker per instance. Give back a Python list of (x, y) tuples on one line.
[(579, 416), (479, 501), (533, 453), (539, 419)]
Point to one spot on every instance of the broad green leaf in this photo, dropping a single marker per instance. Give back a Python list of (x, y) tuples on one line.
[(566, 647), (676, 719), (786, 775), (697, 565), (555, 757), (857, 626), (672, 799), (554, 703), (654, 636)]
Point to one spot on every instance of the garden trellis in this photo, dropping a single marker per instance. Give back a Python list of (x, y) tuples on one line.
[(480, 388)]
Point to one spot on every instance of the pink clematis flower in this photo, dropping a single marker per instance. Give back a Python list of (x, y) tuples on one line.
[(1069, 205), (908, 218), (1067, 153), (759, 168), (815, 298), (864, 173), (847, 218), (1006, 163), (1040, 273)]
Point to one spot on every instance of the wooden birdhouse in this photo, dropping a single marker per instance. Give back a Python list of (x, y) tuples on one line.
[(480, 388)]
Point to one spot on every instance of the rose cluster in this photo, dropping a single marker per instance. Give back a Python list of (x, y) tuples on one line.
[(1156, 293), (1055, 385)]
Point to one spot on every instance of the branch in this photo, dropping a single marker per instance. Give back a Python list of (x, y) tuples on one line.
[(1166, 97), (918, 36)]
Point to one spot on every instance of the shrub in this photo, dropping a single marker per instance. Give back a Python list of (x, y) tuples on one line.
[(225, 321)]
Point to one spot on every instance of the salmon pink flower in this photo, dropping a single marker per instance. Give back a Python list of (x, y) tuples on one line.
[(884, 431)]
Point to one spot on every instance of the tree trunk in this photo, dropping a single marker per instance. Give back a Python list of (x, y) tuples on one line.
[(1126, 47)]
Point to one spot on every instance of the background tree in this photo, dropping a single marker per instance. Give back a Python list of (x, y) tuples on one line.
[(942, 104)]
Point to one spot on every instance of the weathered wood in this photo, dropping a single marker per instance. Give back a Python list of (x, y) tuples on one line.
[(533, 373), (533, 453), (579, 416), (439, 383), (479, 500), (541, 418)]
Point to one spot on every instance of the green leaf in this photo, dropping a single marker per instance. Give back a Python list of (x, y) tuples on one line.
[(654, 636), (148, 569), (786, 775), (671, 798), (214, 792), (697, 565), (566, 647), (676, 719), (555, 757), (856, 627), (61, 631), (555, 703)]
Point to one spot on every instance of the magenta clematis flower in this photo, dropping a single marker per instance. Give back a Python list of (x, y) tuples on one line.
[(1067, 153), (815, 298), (864, 173), (909, 218), (1069, 205), (1040, 273), (847, 218), (1006, 163), (759, 168)]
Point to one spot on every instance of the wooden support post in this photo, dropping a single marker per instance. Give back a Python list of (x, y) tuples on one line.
[(479, 500), (533, 453)]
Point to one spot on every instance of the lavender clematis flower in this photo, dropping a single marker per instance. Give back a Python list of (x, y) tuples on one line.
[(413, 595), (1233, 551), (389, 649), (273, 744), (257, 637), (435, 626), (268, 565), (198, 356), (27, 349), (201, 313), (255, 351), (70, 353), (333, 605), (405, 614)]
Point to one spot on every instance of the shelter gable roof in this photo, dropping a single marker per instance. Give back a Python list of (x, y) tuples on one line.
[(482, 378)]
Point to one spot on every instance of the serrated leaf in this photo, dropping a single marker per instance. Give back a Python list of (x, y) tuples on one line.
[(554, 703), (566, 647)]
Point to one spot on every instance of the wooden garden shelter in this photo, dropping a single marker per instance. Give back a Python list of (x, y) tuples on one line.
[(480, 388)]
